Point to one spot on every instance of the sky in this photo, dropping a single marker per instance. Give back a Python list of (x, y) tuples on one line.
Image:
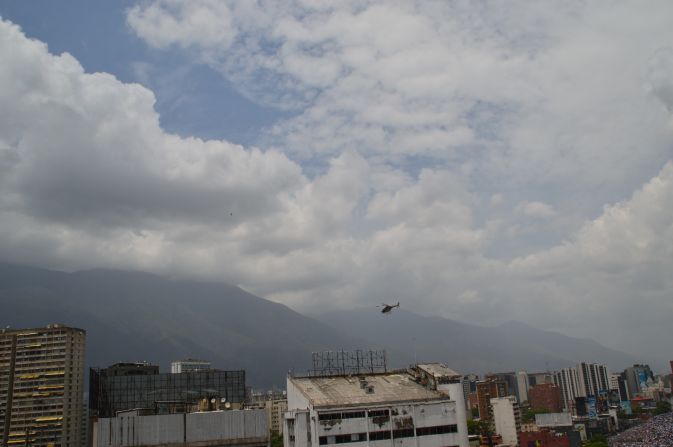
[(484, 161)]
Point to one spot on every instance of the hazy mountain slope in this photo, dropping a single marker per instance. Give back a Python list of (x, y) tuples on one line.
[(138, 316), (471, 348)]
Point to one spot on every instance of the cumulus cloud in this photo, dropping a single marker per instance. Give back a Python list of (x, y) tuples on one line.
[(616, 267)]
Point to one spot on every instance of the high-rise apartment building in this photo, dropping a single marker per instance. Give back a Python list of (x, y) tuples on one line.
[(593, 378), (638, 378), (522, 385), (567, 380), (618, 383), (41, 386)]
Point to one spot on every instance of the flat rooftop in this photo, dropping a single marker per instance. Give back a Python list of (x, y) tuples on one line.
[(340, 391), (438, 370)]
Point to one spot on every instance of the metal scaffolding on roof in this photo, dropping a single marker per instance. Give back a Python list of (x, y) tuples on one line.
[(357, 362)]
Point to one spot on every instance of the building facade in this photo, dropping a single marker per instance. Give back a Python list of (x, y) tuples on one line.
[(543, 438), (245, 428), (507, 419), (618, 384), (41, 386), (415, 408), (546, 396), (537, 378), (523, 385), (130, 386), (189, 365), (567, 380), (638, 377), (276, 408), (487, 390), (593, 378), (469, 386)]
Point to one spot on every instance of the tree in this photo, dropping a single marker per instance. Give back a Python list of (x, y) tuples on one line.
[(529, 414), (597, 441), (473, 427), (481, 427), (276, 440), (663, 406)]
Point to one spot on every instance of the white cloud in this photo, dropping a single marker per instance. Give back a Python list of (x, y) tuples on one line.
[(537, 210), (207, 23)]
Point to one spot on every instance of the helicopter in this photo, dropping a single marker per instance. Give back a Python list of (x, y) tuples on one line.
[(387, 308)]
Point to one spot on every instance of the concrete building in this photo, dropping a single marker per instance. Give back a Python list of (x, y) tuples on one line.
[(638, 378), (540, 377), (131, 369), (245, 428), (507, 419), (419, 407), (543, 438), (487, 390), (618, 384), (517, 384), (189, 365), (522, 386), (276, 408), (554, 420), (546, 396), (128, 386), (469, 386), (593, 378), (42, 386), (567, 380)]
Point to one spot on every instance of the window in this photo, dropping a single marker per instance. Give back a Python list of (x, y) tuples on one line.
[(342, 439), (379, 435), (353, 414), (328, 416), (344, 415), (377, 413), (436, 430), (403, 433)]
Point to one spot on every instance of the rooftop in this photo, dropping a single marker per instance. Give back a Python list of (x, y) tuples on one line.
[(338, 391), (439, 370)]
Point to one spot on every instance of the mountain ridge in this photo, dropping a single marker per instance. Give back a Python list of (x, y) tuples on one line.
[(132, 316)]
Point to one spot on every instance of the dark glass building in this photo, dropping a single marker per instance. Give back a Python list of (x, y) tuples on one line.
[(139, 386)]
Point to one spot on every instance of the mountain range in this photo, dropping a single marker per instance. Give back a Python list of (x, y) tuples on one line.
[(133, 316)]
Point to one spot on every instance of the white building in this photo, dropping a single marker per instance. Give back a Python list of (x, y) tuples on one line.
[(189, 365), (566, 379), (593, 378), (523, 385), (421, 407), (507, 419), (241, 428)]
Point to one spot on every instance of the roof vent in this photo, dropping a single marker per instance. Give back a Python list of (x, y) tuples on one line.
[(370, 389)]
